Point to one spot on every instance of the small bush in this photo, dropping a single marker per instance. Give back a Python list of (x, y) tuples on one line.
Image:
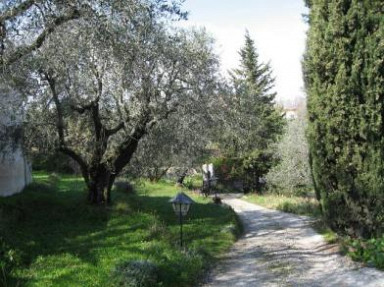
[(370, 251), (193, 181), (136, 273), (9, 258), (188, 183), (124, 186), (53, 179), (179, 273), (217, 200), (157, 230), (122, 207)]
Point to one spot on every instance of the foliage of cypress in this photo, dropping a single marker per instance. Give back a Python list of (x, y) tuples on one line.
[(344, 77)]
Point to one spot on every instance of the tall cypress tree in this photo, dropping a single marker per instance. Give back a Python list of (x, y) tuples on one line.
[(344, 77)]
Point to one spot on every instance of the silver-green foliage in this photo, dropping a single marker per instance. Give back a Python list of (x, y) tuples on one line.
[(292, 174), (99, 84)]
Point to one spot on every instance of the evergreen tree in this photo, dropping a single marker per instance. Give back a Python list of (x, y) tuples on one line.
[(344, 70), (253, 120), (252, 108)]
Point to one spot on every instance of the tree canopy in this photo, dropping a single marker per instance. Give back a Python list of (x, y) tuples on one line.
[(97, 85), (344, 71)]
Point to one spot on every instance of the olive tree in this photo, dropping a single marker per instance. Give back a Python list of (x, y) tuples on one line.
[(100, 84), (25, 25), (179, 143), (292, 174)]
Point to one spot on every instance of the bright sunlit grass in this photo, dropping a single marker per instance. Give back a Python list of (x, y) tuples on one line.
[(292, 204)]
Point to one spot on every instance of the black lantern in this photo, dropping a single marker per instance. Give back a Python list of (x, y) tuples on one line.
[(181, 204)]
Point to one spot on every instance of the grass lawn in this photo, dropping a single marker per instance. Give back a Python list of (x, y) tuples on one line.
[(293, 204), (62, 241)]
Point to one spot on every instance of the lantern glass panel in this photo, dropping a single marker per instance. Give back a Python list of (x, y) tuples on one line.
[(184, 208)]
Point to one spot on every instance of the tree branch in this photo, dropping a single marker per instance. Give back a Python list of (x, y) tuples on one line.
[(110, 132), (60, 121), (22, 51), (95, 112), (81, 109), (13, 12), (129, 146), (60, 130), (80, 161)]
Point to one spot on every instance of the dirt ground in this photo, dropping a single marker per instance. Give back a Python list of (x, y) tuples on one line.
[(280, 249)]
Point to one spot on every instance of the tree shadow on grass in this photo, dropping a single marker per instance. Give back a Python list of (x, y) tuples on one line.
[(43, 222), (56, 226)]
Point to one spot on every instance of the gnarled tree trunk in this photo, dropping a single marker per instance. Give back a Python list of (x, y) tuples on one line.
[(100, 184)]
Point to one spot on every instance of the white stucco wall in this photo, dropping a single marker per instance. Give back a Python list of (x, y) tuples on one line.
[(15, 173)]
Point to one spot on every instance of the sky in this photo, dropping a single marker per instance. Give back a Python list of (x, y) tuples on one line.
[(276, 26)]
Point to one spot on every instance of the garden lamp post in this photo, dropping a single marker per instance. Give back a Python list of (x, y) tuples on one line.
[(181, 204)]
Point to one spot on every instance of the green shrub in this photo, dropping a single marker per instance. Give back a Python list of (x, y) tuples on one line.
[(188, 183), (53, 179), (370, 251), (54, 162), (124, 186), (136, 273), (185, 263), (9, 258), (248, 169), (194, 181)]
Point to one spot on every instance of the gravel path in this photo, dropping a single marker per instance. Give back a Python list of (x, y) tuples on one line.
[(280, 249)]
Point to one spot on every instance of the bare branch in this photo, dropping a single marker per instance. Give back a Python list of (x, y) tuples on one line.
[(22, 51), (113, 131), (81, 109), (76, 157), (60, 121), (129, 146)]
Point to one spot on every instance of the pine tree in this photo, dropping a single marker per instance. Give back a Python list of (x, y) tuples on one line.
[(344, 68), (253, 101), (254, 121)]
